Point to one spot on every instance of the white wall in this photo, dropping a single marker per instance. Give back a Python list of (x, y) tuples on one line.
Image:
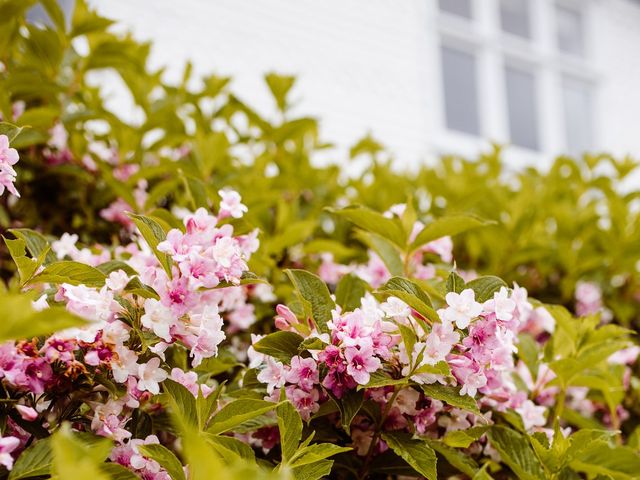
[(370, 64)]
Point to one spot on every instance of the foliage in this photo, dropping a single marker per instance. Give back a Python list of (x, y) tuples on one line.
[(140, 338)]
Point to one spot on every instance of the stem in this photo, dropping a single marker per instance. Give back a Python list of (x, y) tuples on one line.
[(376, 436)]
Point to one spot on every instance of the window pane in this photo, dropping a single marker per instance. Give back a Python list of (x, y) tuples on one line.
[(521, 105), (514, 17), (577, 114), (570, 31), (38, 14), (460, 90), (462, 8)]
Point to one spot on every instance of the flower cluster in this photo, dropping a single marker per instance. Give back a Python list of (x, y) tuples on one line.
[(472, 348), (8, 158)]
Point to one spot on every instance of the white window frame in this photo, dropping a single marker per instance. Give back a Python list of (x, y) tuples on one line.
[(483, 35)]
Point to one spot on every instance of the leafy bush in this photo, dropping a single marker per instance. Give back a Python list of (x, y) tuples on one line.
[(289, 335)]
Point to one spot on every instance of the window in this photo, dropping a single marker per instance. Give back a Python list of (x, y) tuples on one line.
[(570, 31), (522, 107), (576, 96), (460, 90), (516, 72), (514, 17), (39, 14), (460, 8)]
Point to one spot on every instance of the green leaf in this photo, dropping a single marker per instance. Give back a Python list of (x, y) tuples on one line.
[(381, 379), (136, 287), (371, 221), (456, 458), (280, 86), (485, 287), (280, 345), (451, 395), (464, 438), (74, 458), (10, 130), (166, 458), (290, 426), (153, 233), (349, 406), (416, 453), (516, 452), (35, 461), (26, 266), (116, 471), (386, 250), (25, 322), (36, 243), (206, 406), (599, 458), (74, 273), (237, 412), (411, 294), (231, 449), (313, 471), (183, 403), (455, 283), (115, 265), (448, 226), (350, 291), (315, 293), (316, 452)]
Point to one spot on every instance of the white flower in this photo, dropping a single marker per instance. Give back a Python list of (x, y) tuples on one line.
[(65, 246), (150, 375), (117, 280), (501, 305), (224, 250), (41, 303), (532, 415), (157, 318), (394, 307), (125, 363), (462, 308)]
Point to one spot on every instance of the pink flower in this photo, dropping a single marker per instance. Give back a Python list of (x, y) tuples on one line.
[(117, 212), (338, 381), (305, 402), (462, 308), (231, 204), (303, 372), (588, 298), (61, 349), (38, 375), (117, 280), (361, 363), (8, 158), (150, 375), (27, 413), (8, 445), (443, 247), (532, 415), (189, 380), (274, 375), (285, 318)]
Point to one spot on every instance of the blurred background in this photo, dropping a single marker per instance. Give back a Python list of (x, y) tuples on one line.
[(426, 77)]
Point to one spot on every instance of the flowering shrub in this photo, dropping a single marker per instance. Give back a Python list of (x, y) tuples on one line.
[(188, 297)]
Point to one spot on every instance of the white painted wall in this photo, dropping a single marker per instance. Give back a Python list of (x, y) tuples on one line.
[(373, 65)]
